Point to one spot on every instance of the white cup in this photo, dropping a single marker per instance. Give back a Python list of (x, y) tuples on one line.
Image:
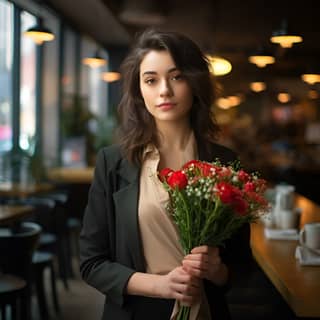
[(289, 219), (310, 235)]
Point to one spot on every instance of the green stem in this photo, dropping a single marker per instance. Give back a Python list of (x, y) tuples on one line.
[(184, 313), (188, 245)]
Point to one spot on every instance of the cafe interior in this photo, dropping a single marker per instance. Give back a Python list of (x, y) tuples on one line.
[(60, 84)]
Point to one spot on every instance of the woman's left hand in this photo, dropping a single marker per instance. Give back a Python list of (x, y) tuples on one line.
[(204, 262)]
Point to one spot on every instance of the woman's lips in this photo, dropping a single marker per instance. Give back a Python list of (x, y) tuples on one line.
[(166, 105)]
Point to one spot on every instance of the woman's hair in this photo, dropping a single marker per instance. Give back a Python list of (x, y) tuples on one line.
[(137, 126)]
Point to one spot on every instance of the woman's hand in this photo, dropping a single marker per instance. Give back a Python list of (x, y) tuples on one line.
[(204, 262), (180, 285)]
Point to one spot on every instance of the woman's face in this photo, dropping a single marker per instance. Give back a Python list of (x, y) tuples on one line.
[(166, 93)]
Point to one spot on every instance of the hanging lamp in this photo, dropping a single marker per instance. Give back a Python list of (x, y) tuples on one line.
[(219, 66), (110, 76), (39, 34), (262, 58), (285, 38), (95, 61)]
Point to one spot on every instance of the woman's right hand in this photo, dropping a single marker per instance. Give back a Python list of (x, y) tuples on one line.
[(179, 285)]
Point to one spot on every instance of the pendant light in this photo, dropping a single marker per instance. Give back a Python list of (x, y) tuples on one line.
[(311, 78), (39, 34), (110, 76), (258, 86), (219, 66), (94, 61), (285, 38), (262, 58)]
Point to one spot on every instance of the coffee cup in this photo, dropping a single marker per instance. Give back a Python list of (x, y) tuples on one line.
[(310, 235), (289, 219)]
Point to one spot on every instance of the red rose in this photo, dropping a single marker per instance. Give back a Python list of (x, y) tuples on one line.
[(226, 192), (177, 179), (249, 186), (243, 176), (196, 163), (232, 196), (164, 174)]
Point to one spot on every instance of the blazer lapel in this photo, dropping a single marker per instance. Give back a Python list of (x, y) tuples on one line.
[(126, 206)]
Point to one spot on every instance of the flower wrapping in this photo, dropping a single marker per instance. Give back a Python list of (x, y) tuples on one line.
[(209, 202)]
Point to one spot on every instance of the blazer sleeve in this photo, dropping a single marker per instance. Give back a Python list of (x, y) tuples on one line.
[(97, 264)]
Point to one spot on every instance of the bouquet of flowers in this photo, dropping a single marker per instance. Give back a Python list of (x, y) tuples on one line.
[(209, 202)]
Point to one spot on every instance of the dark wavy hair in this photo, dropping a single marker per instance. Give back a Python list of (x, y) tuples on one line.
[(136, 125)]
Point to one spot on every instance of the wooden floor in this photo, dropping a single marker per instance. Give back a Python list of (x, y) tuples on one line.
[(80, 302)]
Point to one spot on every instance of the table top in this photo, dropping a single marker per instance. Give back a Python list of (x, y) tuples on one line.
[(11, 213), (19, 190), (71, 175), (299, 285)]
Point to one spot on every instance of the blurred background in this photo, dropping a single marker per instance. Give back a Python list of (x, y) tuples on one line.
[(59, 89)]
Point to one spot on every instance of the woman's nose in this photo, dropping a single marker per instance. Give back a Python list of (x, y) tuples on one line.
[(165, 88)]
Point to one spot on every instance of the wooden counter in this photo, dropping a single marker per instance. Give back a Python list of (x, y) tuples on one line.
[(71, 175), (299, 285)]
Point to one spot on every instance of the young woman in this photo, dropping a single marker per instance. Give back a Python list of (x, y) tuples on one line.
[(129, 246)]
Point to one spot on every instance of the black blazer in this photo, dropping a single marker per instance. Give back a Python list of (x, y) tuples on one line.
[(110, 243)]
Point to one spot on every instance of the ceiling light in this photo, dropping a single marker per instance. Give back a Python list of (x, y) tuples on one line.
[(218, 65), (311, 78), (229, 102), (284, 37), (39, 33), (262, 60), (284, 97), (110, 76), (258, 86), (95, 61)]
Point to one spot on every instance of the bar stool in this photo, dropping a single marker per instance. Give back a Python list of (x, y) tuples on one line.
[(17, 246)]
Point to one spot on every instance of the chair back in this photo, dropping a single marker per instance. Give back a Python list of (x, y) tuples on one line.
[(17, 247)]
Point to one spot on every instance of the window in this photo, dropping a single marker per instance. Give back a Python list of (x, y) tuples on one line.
[(6, 40), (27, 84)]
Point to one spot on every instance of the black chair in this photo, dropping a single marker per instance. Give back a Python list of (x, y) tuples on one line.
[(17, 247), (11, 295)]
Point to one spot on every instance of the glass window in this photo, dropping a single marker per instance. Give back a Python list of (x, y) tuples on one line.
[(27, 84), (6, 42)]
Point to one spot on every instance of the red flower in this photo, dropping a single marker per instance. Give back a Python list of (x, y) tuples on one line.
[(249, 186), (177, 179), (196, 163), (164, 174), (243, 176), (232, 196)]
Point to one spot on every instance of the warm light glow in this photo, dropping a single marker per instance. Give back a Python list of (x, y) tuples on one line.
[(110, 76), (284, 97), (228, 102), (39, 36), (94, 62), (261, 60), (311, 78), (286, 41), (219, 66), (313, 94), (258, 86)]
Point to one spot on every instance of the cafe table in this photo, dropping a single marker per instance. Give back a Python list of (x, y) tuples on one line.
[(298, 285), (13, 213)]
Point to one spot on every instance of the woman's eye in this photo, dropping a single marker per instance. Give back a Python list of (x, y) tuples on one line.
[(150, 81), (177, 77)]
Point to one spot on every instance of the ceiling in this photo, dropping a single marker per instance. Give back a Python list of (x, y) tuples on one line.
[(231, 28)]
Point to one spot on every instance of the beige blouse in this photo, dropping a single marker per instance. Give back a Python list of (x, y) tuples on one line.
[(162, 249)]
